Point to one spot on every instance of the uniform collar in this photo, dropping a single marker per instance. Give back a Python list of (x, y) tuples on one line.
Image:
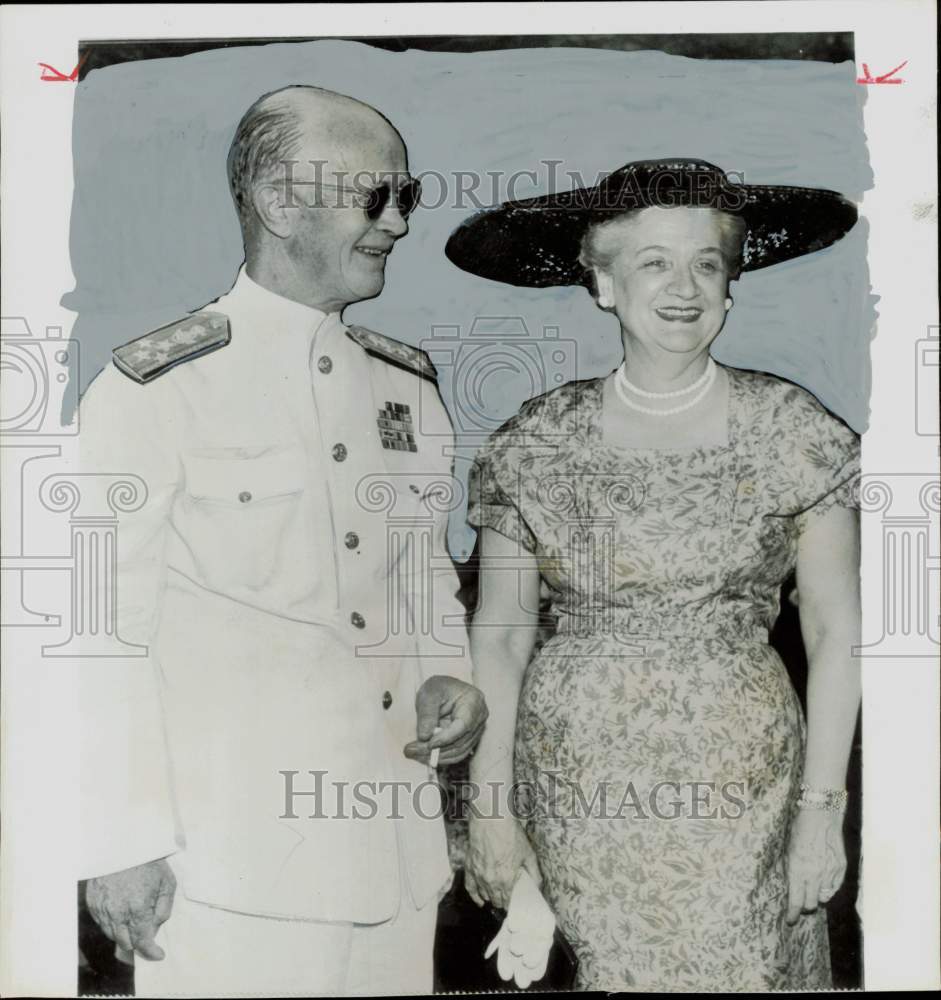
[(280, 313)]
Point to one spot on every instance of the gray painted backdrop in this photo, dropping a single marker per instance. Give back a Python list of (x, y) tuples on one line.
[(154, 234)]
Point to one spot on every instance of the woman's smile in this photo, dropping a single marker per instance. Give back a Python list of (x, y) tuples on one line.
[(679, 314)]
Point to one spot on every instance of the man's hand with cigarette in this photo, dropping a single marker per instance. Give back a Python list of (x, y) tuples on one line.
[(451, 718)]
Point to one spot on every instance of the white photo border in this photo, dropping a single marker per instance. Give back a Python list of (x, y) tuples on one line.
[(900, 906)]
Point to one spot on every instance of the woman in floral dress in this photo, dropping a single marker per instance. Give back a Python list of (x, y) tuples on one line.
[(685, 822)]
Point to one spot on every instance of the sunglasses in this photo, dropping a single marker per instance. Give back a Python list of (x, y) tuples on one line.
[(375, 200)]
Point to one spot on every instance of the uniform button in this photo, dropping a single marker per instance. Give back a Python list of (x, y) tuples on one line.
[(245, 496), (339, 452), (386, 700), (351, 540), (325, 364), (358, 620)]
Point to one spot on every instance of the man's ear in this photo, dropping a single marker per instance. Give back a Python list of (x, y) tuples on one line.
[(272, 210)]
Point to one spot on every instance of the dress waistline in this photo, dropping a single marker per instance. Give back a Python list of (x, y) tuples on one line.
[(626, 625)]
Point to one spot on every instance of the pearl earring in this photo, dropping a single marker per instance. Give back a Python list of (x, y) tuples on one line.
[(728, 303), (604, 302)]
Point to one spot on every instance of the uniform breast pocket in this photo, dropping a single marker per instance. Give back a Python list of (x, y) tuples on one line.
[(241, 511)]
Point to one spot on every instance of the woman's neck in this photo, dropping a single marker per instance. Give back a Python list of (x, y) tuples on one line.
[(664, 372)]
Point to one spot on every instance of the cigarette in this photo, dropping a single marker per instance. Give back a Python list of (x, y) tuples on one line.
[(436, 752)]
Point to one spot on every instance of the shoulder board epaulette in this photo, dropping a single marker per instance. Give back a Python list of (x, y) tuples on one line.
[(148, 357), (394, 351)]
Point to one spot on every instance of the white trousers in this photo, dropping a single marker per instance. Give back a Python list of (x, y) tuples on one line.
[(211, 952)]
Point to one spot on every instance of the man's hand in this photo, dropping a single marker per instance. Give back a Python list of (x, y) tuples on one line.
[(129, 906), (458, 709)]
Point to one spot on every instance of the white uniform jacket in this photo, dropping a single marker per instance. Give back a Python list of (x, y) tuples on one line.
[(288, 575)]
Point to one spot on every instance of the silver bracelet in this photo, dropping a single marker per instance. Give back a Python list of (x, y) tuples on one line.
[(830, 799)]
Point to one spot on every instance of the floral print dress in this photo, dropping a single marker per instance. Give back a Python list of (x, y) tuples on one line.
[(659, 743)]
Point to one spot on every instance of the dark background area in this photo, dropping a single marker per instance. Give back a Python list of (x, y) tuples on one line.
[(834, 47)]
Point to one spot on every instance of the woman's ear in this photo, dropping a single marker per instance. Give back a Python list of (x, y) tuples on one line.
[(271, 209), (604, 288), (729, 301)]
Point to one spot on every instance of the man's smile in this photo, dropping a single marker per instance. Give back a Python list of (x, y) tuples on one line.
[(375, 251)]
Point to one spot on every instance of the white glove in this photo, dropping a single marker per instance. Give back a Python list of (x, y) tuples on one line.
[(524, 941)]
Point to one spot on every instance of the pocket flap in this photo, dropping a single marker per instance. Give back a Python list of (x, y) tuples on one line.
[(243, 480)]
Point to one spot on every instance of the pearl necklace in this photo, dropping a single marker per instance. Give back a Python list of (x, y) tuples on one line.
[(704, 384), (692, 387)]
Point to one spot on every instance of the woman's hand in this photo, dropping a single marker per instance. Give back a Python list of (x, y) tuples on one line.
[(816, 860), (497, 849)]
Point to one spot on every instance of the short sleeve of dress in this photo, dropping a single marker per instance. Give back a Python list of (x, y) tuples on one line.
[(824, 458), (494, 489)]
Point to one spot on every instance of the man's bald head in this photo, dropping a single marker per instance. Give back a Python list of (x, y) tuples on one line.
[(278, 126)]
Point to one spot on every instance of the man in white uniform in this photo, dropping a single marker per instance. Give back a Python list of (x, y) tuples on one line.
[(285, 574)]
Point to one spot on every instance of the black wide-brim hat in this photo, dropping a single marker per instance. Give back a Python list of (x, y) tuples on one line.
[(535, 242)]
